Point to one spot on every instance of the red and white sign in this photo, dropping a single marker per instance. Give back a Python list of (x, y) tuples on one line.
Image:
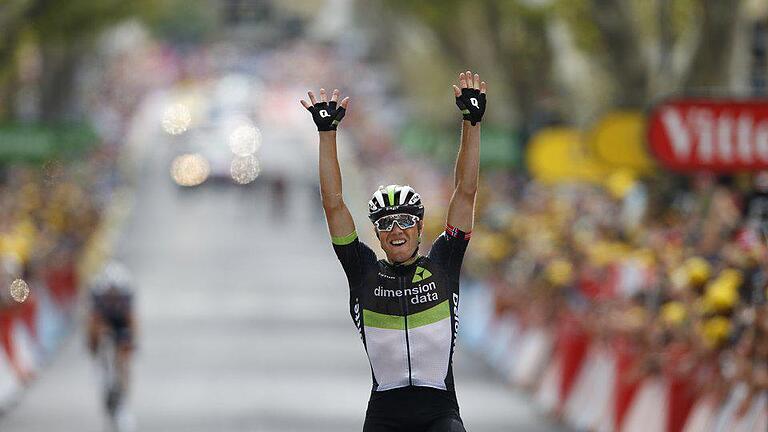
[(710, 134)]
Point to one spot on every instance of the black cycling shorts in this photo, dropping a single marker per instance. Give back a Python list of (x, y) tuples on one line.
[(123, 336), (443, 424), (413, 409)]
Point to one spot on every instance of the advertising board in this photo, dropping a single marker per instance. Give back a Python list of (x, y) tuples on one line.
[(718, 135)]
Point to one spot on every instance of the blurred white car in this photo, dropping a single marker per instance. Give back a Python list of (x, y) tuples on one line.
[(225, 137)]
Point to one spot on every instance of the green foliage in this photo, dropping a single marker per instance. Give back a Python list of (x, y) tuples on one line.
[(182, 21), (577, 14), (504, 39), (63, 32), (74, 19), (64, 21), (683, 14), (435, 13), (522, 30)]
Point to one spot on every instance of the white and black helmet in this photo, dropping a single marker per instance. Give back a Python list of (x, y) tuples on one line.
[(395, 199), (114, 276)]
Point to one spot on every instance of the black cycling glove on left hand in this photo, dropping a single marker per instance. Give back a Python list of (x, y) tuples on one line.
[(472, 105), (327, 115)]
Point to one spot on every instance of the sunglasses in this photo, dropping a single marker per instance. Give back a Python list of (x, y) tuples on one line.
[(403, 220)]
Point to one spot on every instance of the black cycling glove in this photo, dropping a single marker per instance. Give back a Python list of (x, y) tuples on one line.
[(326, 115), (472, 105)]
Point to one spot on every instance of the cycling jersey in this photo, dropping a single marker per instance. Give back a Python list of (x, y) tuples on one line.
[(406, 314), (114, 309)]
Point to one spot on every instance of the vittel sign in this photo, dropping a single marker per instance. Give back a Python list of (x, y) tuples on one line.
[(710, 134)]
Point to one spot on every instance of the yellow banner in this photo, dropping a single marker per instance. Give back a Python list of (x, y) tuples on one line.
[(558, 155), (618, 140)]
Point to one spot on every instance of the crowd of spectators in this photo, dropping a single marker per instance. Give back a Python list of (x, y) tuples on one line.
[(48, 213), (671, 274)]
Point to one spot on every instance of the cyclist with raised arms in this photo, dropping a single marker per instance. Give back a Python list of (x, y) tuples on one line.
[(405, 306)]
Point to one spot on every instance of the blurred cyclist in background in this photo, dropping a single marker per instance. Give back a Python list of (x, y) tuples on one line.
[(111, 335), (405, 306)]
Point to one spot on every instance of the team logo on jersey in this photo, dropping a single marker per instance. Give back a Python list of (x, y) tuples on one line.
[(421, 274)]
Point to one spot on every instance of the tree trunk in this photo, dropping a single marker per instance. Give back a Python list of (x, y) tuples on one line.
[(9, 42), (58, 82), (711, 61), (525, 63), (624, 58)]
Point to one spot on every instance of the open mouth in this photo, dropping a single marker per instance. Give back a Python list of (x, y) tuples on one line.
[(398, 242)]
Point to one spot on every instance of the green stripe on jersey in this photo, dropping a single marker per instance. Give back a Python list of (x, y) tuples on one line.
[(397, 322), (383, 321), (429, 316), (345, 240)]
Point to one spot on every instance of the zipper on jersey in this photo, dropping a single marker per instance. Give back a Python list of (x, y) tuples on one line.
[(404, 305)]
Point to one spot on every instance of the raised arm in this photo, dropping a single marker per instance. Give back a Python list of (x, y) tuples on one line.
[(327, 116), (470, 99)]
